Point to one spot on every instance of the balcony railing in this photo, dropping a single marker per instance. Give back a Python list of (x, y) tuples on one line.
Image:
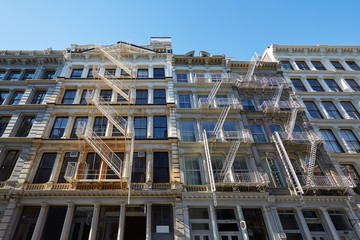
[(259, 82), (220, 103), (328, 182), (245, 179), (305, 137), (243, 136)]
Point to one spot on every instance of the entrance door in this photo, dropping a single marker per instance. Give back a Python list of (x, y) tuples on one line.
[(255, 224), (135, 222)]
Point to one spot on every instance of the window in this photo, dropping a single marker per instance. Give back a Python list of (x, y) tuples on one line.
[(76, 73), (184, 101), (230, 126), (350, 109), (2, 75), (141, 97), (139, 168), (45, 168), (199, 223), (105, 95), (49, 75), (81, 223), (142, 73), (275, 128), (302, 65), (54, 222), (76, 124), (110, 72), (25, 127), (289, 224), (351, 140), (340, 220), (162, 215), (100, 126), (286, 65), (353, 65), (331, 110), (217, 163), (3, 124), (313, 221), (271, 168), (159, 73), (318, 65), (116, 132), (108, 222), (124, 73), (161, 167), (110, 174), (69, 97), (66, 161), (258, 133), (353, 85), (315, 85), (313, 110), (14, 75), (159, 96), (93, 162), (331, 141), (3, 96), (83, 97), (337, 65), (227, 223), (181, 78), (193, 174), (349, 170), (28, 75), (16, 97), (58, 127), (240, 168), (8, 164), (140, 126), (38, 97), (299, 86), (160, 127), (333, 85), (120, 98), (216, 77), (188, 131), (90, 73), (27, 222), (248, 105)]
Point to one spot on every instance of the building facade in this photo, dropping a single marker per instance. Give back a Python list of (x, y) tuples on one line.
[(135, 142)]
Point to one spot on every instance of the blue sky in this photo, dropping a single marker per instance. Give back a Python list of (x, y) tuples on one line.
[(234, 28)]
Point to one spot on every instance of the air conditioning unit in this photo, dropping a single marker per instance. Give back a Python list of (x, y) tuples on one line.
[(141, 154), (74, 154)]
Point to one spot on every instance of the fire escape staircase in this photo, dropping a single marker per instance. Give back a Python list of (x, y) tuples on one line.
[(209, 167), (230, 157)]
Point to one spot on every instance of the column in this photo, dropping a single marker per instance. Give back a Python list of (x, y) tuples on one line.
[(324, 85), (243, 227), (327, 64), (268, 222), (38, 72), (149, 165), (150, 121), (40, 221), (293, 64), (150, 96), (309, 63), (322, 109), (121, 230), (151, 72), (148, 221), (303, 225), (277, 222), (191, 76), (344, 64), (77, 96), (67, 223), (213, 223), (186, 223), (340, 139), (94, 221), (329, 222), (68, 128), (341, 109)]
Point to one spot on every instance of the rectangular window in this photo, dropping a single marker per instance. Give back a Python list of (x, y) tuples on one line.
[(2, 75), (69, 97), (270, 167), (217, 165), (3, 124), (318, 65), (141, 97), (181, 78), (159, 73), (27, 222), (8, 164), (302, 65), (25, 127), (353, 85), (350, 109), (38, 97), (58, 127), (351, 140), (299, 86), (209, 127), (248, 105), (340, 220), (64, 165), (28, 75), (3, 96), (139, 168), (45, 168), (162, 216), (160, 127), (331, 141), (54, 222), (331, 110), (16, 97), (353, 65), (286, 65), (108, 222), (313, 221), (188, 131), (140, 126), (333, 85), (81, 223), (193, 174), (184, 101), (143, 73), (315, 85), (124, 73), (116, 132), (76, 124), (110, 72), (216, 77), (161, 167), (49, 75), (258, 133), (100, 124), (14, 75), (76, 73), (120, 98), (83, 97), (90, 73), (159, 96), (337, 65), (105, 95), (93, 162), (313, 110)]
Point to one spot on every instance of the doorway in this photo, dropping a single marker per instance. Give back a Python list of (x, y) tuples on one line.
[(135, 222), (255, 224)]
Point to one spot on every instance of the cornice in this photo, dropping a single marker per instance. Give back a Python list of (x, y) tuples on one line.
[(317, 49)]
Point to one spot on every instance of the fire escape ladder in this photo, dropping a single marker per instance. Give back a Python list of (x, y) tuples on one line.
[(230, 157), (115, 57), (209, 167), (293, 179), (103, 150), (312, 160), (221, 120), (215, 88)]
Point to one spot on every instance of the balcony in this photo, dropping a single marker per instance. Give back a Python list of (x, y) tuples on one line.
[(247, 179), (219, 103), (302, 137), (257, 82), (244, 136), (327, 182)]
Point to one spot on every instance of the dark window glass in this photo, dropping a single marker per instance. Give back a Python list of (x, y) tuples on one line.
[(8, 164), (76, 123), (162, 216), (100, 126), (248, 105), (124, 73), (83, 97), (3, 124), (93, 162), (2, 75), (81, 223), (141, 96), (58, 127), (69, 97), (3, 96), (110, 174), (90, 74), (161, 167), (25, 127), (159, 73), (313, 110), (198, 213), (27, 222), (49, 75), (120, 98), (353, 65), (333, 85), (108, 222), (116, 132), (160, 127), (337, 65), (271, 168), (258, 133), (318, 65), (228, 227), (225, 214), (350, 109), (275, 128), (302, 65), (184, 101), (340, 222), (142, 73), (14, 75), (351, 140), (181, 78), (67, 159), (288, 221), (299, 86), (28, 75), (353, 85), (106, 95), (45, 168), (76, 73), (200, 226), (140, 126), (159, 96), (38, 97), (16, 97), (139, 168), (286, 65), (54, 222), (331, 110), (110, 72), (331, 141), (315, 85)]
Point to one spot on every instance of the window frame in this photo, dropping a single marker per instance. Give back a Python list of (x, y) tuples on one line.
[(69, 99), (299, 86), (159, 96), (302, 65), (182, 100), (143, 73), (59, 127), (76, 73), (261, 136), (180, 78), (193, 137), (27, 74), (7, 165), (337, 65), (353, 65), (315, 112), (161, 74), (161, 167), (333, 86), (159, 124), (315, 85), (4, 121), (318, 65), (140, 127), (331, 141), (353, 85), (43, 172), (22, 131), (352, 113), (14, 98), (191, 169), (142, 99), (331, 110), (36, 99), (352, 141), (286, 65)]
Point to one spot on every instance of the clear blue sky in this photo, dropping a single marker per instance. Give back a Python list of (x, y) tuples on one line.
[(236, 28)]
